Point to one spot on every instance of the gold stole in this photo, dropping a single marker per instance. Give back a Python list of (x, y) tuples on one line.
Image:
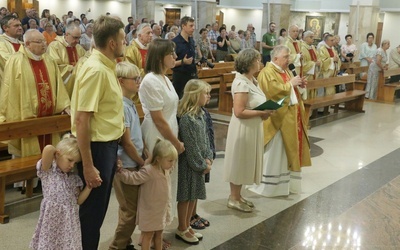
[(44, 94), (286, 78), (72, 55)]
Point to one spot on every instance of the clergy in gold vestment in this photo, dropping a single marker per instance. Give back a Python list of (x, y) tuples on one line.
[(9, 43), (66, 51), (330, 65), (32, 87), (287, 148), (294, 46), (311, 61), (136, 52)]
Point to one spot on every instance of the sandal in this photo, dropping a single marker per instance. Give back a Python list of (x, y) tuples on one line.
[(196, 223), (204, 221), (166, 244)]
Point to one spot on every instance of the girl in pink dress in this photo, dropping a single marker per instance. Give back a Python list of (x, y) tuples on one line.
[(58, 226), (154, 205)]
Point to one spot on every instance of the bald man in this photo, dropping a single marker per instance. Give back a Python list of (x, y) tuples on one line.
[(32, 87), (66, 51), (294, 46)]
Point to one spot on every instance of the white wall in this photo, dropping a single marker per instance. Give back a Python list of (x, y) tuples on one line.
[(241, 17), (343, 26), (391, 29), (61, 7), (3, 3)]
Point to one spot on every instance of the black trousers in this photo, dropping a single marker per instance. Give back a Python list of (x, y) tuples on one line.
[(179, 80), (93, 210)]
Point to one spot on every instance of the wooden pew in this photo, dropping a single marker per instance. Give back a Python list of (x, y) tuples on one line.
[(359, 83), (21, 169), (212, 76), (225, 102), (353, 98), (386, 90)]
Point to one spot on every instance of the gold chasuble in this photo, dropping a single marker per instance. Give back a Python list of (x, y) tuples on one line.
[(329, 68), (8, 46), (275, 83), (66, 58), (32, 87)]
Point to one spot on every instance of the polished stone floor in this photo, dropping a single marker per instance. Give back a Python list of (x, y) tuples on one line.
[(350, 198)]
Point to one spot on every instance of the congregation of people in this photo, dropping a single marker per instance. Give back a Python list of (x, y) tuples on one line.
[(97, 71)]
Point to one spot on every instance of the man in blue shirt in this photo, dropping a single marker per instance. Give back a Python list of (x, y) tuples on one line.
[(185, 67)]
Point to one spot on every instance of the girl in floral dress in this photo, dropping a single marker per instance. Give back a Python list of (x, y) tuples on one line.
[(58, 226)]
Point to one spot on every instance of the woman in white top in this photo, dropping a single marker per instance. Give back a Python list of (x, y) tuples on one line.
[(244, 144), (367, 50), (160, 102)]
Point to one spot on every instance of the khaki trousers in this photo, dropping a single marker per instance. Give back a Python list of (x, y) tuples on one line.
[(127, 196)]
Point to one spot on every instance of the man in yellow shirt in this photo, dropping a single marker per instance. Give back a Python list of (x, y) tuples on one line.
[(97, 122), (66, 51)]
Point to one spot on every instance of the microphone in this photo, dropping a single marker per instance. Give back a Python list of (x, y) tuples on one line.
[(293, 69)]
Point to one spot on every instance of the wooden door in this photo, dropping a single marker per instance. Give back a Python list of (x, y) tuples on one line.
[(171, 15), (220, 18), (378, 37), (20, 6)]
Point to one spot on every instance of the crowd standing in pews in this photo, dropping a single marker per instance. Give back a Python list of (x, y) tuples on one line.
[(98, 126)]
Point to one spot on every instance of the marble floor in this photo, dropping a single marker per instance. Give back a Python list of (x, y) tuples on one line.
[(350, 197)]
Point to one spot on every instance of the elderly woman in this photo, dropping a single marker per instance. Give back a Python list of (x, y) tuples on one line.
[(367, 50), (87, 37), (246, 42), (379, 63), (287, 148), (49, 33), (244, 144), (203, 45)]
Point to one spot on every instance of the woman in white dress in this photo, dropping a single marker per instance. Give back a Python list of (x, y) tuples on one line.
[(160, 102), (244, 144)]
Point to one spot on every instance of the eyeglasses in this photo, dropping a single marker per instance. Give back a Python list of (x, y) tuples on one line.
[(74, 37), (136, 79), (38, 41)]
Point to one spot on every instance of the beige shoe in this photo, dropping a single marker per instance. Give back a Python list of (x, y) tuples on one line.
[(247, 202), (239, 206), (181, 235), (198, 235)]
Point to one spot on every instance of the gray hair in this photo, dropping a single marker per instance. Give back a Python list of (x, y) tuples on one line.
[(89, 25), (245, 59), (169, 34), (278, 50), (293, 27), (308, 33), (71, 27), (385, 41), (140, 28), (28, 34)]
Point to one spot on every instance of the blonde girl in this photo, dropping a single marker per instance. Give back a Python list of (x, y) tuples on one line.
[(154, 206), (196, 161), (58, 226)]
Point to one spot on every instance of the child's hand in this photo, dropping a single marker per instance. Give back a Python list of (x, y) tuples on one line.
[(119, 166), (147, 161)]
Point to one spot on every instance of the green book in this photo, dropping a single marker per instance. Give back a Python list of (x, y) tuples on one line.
[(270, 105)]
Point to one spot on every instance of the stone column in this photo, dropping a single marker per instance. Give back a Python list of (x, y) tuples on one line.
[(363, 19), (206, 12), (277, 11), (144, 8)]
